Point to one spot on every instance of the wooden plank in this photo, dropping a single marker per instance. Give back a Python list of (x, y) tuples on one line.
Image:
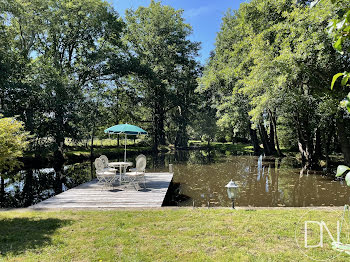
[(92, 195)]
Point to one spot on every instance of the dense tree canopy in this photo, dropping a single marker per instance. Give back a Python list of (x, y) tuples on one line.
[(278, 58), (71, 68), (158, 36)]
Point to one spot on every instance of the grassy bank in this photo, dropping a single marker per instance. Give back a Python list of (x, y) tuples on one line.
[(78, 152), (240, 148), (157, 235)]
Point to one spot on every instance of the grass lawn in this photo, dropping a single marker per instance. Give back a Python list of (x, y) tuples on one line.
[(239, 147), (157, 235), (102, 151)]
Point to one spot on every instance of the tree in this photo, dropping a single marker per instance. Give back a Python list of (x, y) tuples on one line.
[(185, 102), (204, 123), (68, 45), (13, 141), (158, 36), (278, 58)]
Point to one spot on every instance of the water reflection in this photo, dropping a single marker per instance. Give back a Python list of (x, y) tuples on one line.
[(262, 181), (199, 179), (31, 186)]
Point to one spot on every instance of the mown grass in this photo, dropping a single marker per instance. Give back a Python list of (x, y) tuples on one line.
[(234, 147), (105, 151), (155, 235), (103, 142)]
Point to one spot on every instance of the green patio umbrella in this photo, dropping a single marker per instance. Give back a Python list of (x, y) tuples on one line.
[(127, 130)]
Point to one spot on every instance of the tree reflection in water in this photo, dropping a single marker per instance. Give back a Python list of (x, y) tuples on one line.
[(199, 178), (31, 186), (263, 181)]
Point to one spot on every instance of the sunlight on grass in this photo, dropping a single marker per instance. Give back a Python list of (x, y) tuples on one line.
[(153, 235)]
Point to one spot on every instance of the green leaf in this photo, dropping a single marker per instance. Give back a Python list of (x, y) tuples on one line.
[(344, 80), (341, 170), (347, 179), (335, 77), (338, 44), (341, 24)]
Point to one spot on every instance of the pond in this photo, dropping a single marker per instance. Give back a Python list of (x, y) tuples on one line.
[(263, 182), (199, 180)]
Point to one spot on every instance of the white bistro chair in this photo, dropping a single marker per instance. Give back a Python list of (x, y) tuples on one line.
[(106, 177), (106, 163), (137, 174)]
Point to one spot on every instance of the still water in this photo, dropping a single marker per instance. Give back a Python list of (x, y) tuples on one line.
[(199, 180), (264, 182)]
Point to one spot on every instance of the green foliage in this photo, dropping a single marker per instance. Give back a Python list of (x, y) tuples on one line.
[(158, 36), (271, 64), (341, 170), (13, 141), (62, 48), (339, 29), (344, 81), (69, 69)]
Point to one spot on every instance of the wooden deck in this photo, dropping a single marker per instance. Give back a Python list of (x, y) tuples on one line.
[(91, 195)]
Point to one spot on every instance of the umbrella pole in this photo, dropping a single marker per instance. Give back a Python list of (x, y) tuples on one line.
[(125, 150)]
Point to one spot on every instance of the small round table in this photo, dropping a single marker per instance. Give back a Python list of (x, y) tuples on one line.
[(122, 168)]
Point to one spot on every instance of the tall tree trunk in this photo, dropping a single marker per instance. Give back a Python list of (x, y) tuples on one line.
[(272, 138), (162, 140), (158, 131), (58, 164), (181, 139), (155, 132), (306, 144), (318, 144), (265, 139), (159, 117), (28, 188), (328, 137), (343, 138), (59, 134), (254, 140), (273, 121)]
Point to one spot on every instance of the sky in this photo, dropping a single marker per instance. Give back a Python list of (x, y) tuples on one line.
[(204, 16)]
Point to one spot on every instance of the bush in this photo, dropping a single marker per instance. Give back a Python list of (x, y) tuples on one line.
[(13, 141)]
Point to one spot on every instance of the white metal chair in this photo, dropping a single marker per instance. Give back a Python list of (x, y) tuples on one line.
[(136, 159), (106, 162), (105, 177), (138, 174)]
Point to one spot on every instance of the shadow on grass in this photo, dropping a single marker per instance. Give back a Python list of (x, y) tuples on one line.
[(20, 234)]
